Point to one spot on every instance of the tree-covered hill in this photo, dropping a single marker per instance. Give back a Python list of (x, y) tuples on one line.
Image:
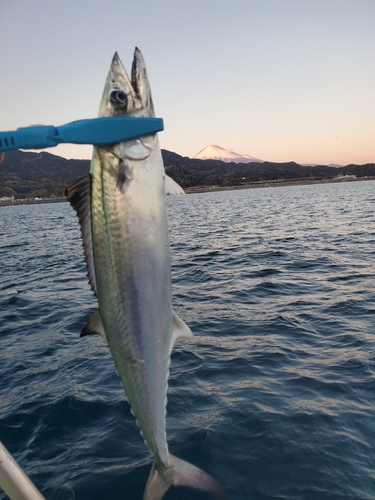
[(190, 172), (26, 174)]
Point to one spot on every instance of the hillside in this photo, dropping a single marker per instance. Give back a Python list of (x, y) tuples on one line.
[(192, 172), (29, 175)]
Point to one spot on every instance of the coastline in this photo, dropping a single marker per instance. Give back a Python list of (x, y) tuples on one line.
[(274, 183), (28, 201), (208, 189)]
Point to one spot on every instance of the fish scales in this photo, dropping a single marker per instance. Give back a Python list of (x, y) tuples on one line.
[(123, 216), (119, 227)]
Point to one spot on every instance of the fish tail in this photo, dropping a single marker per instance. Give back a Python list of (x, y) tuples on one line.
[(180, 473)]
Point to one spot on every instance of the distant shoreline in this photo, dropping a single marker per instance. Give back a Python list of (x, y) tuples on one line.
[(273, 183), (32, 202), (208, 189)]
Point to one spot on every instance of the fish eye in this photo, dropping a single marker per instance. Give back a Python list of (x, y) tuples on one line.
[(118, 99)]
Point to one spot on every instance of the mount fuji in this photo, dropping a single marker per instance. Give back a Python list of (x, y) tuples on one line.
[(213, 152)]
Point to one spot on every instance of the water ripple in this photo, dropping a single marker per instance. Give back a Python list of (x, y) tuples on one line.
[(274, 396)]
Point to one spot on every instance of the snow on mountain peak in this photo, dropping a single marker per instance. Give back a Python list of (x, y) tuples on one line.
[(214, 152)]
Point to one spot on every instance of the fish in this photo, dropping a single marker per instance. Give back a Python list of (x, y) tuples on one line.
[(121, 207)]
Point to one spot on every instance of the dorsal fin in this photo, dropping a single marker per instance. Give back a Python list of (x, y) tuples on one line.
[(79, 196)]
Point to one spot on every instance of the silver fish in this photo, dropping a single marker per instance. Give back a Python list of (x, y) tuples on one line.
[(122, 211)]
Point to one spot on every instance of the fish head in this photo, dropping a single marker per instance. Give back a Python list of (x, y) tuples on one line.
[(123, 96)]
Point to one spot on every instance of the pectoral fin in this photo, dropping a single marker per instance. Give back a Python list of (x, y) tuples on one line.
[(171, 186)]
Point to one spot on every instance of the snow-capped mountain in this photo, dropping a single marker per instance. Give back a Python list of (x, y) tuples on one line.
[(213, 152)]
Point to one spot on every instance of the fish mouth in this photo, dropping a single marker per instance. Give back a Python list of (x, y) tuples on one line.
[(125, 96)]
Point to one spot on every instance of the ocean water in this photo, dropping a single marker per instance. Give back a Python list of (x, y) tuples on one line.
[(275, 396)]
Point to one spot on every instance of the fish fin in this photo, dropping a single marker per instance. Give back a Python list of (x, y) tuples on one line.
[(79, 196), (180, 473), (179, 329), (123, 176), (94, 326), (171, 186)]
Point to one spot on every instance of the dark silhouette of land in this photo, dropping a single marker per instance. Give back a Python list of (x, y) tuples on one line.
[(28, 175)]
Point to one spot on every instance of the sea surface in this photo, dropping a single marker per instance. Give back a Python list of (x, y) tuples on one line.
[(275, 396)]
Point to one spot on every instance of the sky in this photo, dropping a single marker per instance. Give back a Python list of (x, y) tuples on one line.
[(281, 80)]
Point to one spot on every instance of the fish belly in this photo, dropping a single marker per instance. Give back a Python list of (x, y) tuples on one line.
[(132, 265)]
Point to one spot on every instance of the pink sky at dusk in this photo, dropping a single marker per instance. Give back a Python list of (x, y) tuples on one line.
[(278, 80)]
